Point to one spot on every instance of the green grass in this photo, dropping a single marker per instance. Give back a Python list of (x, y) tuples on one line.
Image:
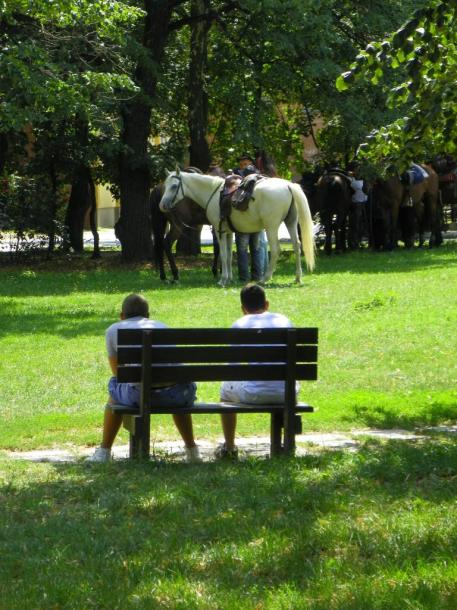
[(387, 354), (374, 529), (332, 530)]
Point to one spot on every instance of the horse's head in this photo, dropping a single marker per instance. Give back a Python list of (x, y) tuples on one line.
[(173, 190)]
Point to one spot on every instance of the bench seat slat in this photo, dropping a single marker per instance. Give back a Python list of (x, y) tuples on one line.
[(217, 372), (216, 407)]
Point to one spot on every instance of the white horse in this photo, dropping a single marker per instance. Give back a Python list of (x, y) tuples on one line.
[(274, 201)]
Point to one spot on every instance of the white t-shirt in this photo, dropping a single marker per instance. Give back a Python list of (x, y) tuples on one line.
[(257, 391), (359, 195)]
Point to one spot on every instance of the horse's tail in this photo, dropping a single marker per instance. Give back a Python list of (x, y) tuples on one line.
[(306, 225)]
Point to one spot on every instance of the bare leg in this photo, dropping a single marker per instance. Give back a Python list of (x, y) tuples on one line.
[(228, 421), (183, 422), (111, 424)]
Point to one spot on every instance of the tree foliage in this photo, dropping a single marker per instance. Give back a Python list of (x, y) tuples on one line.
[(417, 67), (121, 72)]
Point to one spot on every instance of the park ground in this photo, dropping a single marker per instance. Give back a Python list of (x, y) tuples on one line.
[(367, 526)]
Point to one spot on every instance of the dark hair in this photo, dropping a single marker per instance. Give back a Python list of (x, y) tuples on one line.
[(135, 305), (245, 157), (253, 297)]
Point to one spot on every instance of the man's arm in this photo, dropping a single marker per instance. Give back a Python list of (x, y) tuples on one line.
[(113, 364)]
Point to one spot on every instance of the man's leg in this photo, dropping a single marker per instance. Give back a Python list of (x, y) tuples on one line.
[(183, 395), (242, 256), (121, 393), (256, 257), (183, 423), (111, 424), (228, 421)]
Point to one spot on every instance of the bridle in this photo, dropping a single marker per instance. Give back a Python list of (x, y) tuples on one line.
[(180, 186)]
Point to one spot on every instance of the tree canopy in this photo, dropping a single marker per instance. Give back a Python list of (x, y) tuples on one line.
[(97, 79), (417, 68)]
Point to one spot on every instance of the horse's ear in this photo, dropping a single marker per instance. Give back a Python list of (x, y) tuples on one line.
[(168, 172), (177, 170)]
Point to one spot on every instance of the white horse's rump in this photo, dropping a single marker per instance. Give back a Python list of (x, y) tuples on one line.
[(274, 201)]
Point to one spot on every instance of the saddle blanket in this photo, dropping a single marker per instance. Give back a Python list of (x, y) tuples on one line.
[(417, 174)]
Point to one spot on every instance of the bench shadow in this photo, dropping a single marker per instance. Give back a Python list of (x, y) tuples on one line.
[(232, 528)]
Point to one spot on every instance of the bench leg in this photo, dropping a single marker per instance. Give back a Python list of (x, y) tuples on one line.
[(139, 428), (289, 434), (275, 434)]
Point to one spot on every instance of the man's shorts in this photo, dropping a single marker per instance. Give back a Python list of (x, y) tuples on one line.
[(236, 391), (178, 395)]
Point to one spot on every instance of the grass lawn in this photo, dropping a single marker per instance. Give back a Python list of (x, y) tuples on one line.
[(387, 341), (372, 529)]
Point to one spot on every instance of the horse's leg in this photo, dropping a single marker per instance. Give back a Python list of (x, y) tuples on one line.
[(328, 227), (293, 232), (273, 244), (158, 235), (170, 238), (340, 234), (224, 259)]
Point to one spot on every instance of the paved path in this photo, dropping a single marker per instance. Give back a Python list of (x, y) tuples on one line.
[(248, 446), (108, 239)]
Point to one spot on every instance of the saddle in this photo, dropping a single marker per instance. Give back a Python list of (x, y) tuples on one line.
[(244, 193), (239, 196)]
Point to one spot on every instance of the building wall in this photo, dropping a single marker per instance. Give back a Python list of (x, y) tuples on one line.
[(107, 207)]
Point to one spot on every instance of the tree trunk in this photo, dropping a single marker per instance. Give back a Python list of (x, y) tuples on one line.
[(133, 228), (78, 204), (199, 155), (198, 95), (3, 151), (134, 225)]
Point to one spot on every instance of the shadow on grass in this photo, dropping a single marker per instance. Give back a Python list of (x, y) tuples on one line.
[(387, 418), (134, 535), (62, 277)]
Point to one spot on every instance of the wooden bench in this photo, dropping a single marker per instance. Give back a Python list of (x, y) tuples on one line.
[(214, 354)]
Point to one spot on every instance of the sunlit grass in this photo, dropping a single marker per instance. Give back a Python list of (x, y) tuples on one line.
[(386, 322)]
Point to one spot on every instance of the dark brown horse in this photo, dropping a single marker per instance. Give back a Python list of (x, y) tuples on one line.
[(446, 168), (403, 210), (333, 202), (167, 229)]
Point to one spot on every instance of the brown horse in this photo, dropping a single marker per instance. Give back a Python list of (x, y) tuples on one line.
[(446, 168), (411, 208), (168, 227), (333, 202)]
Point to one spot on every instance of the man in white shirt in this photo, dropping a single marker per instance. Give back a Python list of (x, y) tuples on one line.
[(135, 314), (254, 306)]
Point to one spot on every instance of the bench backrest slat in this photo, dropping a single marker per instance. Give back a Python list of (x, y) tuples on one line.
[(218, 372), (216, 353), (213, 336)]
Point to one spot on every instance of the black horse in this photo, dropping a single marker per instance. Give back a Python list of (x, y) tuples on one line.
[(333, 202)]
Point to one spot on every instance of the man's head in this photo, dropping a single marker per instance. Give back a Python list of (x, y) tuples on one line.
[(253, 299), (245, 160), (134, 305)]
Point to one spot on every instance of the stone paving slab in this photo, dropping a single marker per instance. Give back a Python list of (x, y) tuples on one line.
[(248, 446)]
